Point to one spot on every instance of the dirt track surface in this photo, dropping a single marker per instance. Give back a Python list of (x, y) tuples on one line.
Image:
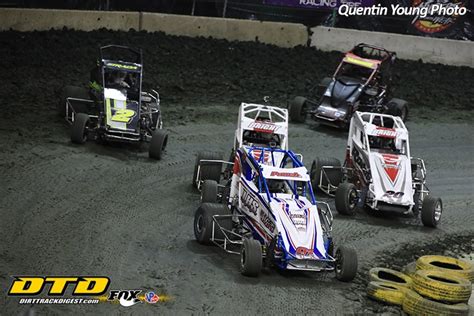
[(109, 210)]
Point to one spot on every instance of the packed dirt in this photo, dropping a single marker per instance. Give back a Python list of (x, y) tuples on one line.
[(109, 210)]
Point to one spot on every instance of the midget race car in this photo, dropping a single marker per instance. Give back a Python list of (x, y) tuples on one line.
[(257, 124), (267, 213), (115, 108), (378, 172), (362, 82)]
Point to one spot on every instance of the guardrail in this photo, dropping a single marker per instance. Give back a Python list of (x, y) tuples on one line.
[(444, 51)]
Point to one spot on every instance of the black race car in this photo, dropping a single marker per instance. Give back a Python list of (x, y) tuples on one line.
[(114, 107), (361, 83)]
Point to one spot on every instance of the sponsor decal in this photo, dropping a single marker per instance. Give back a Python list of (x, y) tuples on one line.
[(299, 220), (93, 290), (441, 15), (264, 127), (258, 153), (385, 132), (391, 166), (82, 285), (303, 252), (151, 297), (319, 4), (251, 203), (122, 66), (126, 298), (267, 221), (352, 59), (393, 194), (285, 174)]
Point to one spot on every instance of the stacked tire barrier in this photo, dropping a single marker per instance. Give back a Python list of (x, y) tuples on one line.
[(433, 285)]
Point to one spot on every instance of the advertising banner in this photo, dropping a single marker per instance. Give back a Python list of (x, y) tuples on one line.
[(442, 24), (319, 4)]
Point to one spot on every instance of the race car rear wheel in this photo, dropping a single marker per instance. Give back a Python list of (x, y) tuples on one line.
[(431, 211), (334, 175), (73, 92), (398, 107), (209, 191), (79, 128), (203, 219), (158, 143), (346, 198), (251, 258), (298, 108), (346, 263), (324, 83), (208, 170)]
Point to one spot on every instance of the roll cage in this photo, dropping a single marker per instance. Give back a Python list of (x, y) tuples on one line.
[(305, 188), (377, 59), (257, 122), (117, 59)]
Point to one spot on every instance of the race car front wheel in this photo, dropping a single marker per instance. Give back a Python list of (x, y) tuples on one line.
[(251, 258), (298, 108), (203, 222), (79, 128), (398, 107), (346, 263), (158, 144), (346, 198), (431, 211), (209, 191)]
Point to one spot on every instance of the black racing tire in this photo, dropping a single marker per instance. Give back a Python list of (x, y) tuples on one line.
[(431, 211), (203, 219), (209, 191), (398, 107), (416, 206), (334, 175), (297, 110), (390, 276), (251, 261), (73, 92), (324, 83), (159, 140), (346, 264), (346, 198), (209, 171), (415, 304), (79, 128)]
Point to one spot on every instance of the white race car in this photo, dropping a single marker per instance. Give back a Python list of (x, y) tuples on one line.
[(268, 214), (378, 171), (257, 125)]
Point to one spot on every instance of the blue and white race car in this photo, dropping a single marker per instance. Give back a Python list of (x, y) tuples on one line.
[(267, 213)]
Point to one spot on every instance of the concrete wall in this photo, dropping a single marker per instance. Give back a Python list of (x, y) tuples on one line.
[(431, 50), (444, 51), (280, 34), (41, 20)]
